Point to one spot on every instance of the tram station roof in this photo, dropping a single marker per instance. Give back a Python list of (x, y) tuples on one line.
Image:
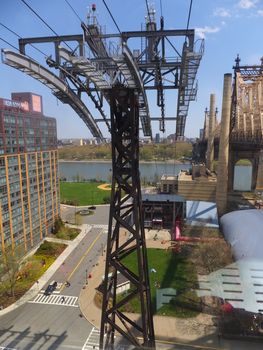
[(244, 280), (164, 197), (243, 229)]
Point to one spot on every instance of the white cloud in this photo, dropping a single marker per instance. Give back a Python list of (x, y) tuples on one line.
[(247, 4), (222, 12), (201, 32), (260, 12)]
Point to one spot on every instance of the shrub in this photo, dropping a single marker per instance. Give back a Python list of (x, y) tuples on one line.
[(58, 224), (50, 249)]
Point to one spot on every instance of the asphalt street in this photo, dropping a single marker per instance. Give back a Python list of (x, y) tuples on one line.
[(42, 326), (78, 266)]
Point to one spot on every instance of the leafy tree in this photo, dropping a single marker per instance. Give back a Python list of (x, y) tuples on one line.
[(147, 152), (9, 267)]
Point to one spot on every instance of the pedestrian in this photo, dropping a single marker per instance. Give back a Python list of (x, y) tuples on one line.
[(62, 299)]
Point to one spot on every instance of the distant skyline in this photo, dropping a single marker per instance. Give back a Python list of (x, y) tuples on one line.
[(228, 27)]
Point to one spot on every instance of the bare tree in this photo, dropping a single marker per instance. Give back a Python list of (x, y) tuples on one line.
[(214, 255)]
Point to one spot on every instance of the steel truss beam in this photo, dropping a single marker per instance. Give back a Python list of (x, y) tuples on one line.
[(169, 73), (58, 86), (245, 73), (187, 91), (125, 215)]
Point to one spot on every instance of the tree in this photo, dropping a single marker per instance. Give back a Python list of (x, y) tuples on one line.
[(10, 266), (214, 255), (58, 224)]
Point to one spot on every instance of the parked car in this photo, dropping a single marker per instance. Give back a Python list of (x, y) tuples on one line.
[(51, 288)]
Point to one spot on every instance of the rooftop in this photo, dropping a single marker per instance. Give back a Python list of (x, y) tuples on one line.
[(162, 198), (185, 176), (168, 177)]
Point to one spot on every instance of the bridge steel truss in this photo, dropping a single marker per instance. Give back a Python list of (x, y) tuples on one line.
[(120, 78), (246, 123)]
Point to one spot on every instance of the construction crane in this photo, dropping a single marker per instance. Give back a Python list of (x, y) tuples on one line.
[(108, 68)]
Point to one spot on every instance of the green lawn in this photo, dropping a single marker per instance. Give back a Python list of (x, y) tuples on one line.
[(83, 193), (172, 271)]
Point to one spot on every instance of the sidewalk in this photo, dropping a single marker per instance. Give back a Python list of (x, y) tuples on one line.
[(166, 328), (34, 290)]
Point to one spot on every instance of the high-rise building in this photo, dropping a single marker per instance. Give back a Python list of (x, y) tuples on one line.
[(29, 187)]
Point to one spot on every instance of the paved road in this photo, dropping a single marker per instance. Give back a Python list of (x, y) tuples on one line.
[(100, 216), (77, 267), (54, 322), (39, 326)]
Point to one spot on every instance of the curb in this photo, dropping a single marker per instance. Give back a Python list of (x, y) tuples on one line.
[(83, 206)]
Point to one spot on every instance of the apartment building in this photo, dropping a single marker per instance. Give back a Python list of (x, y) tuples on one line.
[(29, 187)]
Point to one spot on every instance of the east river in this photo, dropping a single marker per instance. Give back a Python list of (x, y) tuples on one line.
[(149, 172)]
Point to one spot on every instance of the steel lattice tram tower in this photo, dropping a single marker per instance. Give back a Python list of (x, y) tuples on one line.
[(104, 68)]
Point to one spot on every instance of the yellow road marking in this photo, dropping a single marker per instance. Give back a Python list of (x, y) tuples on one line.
[(82, 258)]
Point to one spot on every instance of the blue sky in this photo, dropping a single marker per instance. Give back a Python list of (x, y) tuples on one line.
[(228, 27)]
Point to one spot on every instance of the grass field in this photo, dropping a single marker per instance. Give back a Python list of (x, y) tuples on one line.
[(83, 193), (172, 271)]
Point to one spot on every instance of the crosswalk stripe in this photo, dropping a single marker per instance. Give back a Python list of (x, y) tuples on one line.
[(92, 341), (56, 299), (72, 301), (4, 348), (52, 298), (65, 300)]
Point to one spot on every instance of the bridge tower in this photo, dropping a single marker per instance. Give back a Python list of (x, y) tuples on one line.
[(246, 124), (223, 157)]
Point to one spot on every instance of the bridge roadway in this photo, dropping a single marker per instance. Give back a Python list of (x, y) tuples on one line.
[(55, 322)]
